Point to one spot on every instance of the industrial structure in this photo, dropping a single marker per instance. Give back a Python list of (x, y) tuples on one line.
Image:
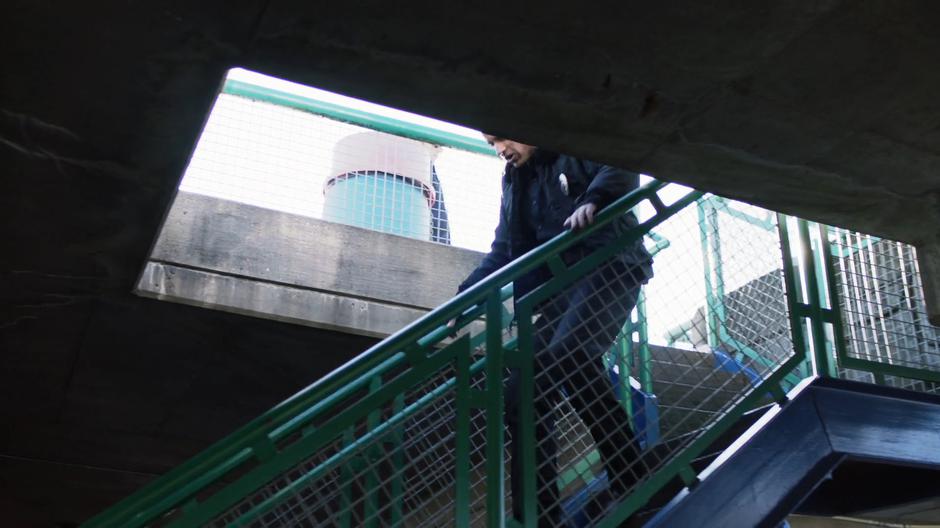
[(803, 375)]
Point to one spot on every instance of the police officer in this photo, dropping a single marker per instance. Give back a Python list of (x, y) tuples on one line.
[(545, 193)]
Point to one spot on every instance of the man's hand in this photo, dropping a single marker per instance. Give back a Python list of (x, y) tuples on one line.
[(582, 217)]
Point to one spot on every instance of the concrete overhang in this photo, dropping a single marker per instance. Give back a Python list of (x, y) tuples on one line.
[(823, 109), (826, 110), (249, 260)]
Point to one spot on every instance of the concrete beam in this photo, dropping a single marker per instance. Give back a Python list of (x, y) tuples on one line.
[(250, 260), (274, 301)]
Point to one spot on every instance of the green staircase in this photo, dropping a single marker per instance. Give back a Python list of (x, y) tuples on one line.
[(411, 432)]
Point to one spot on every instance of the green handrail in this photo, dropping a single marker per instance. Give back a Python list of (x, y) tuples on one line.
[(357, 117), (180, 485), (414, 347)]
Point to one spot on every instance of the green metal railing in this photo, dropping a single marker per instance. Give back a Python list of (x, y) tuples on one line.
[(334, 408), (880, 324), (350, 431), (411, 432), (357, 117), (858, 303), (709, 211)]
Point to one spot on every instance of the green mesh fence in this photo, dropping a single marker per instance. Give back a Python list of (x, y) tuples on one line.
[(574, 404), (883, 312), (598, 436)]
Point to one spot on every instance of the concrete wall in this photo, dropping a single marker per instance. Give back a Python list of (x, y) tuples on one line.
[(826, 109), (245, 259), (147, 385)]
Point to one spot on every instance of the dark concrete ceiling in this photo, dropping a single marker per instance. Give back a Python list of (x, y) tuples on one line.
[(825, 109)]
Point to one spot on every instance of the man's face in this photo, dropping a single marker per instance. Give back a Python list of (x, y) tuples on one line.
[(511, 151)]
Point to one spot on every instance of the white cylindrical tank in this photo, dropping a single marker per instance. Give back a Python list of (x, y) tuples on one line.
[(382, 182)]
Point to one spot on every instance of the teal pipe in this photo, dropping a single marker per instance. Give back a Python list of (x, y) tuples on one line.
[(357, 117)]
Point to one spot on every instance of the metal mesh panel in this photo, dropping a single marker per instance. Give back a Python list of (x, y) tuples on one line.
[(290, 160), (882, 300), (403, 476), (739, 333), (592, 449), (620, 389)]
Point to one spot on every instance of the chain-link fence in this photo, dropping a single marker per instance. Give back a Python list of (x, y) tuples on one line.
[(884, 316)]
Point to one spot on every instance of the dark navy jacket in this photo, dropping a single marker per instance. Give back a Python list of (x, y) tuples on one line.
[(524, 226)]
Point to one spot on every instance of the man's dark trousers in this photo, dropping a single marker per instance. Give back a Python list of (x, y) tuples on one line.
[(574, 330)]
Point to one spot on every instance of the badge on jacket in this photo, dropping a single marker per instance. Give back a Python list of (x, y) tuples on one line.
[(563, 181)]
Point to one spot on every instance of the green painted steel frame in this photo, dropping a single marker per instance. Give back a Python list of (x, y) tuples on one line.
[(524, 361), (564, 276), (775, 384), (826, 268), (494, 410), (640, 328), (621, 355), (820, 306), (295, 453), (464, 398), (357, 117), (412, 349), (807, 297), (716, 316), (792, 284)]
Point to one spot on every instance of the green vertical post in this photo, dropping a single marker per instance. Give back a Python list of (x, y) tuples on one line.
[(708, 233), (824, 283), (643, 344), (526, 439), (346, 483), (495, 510), (372, 455), (835, 305), (792, 286), (816, 249), (823, 359), (719, 289), (462, 440), (398, 466), (621, 355)]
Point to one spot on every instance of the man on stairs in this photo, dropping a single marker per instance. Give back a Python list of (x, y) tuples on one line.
[(545, 193)]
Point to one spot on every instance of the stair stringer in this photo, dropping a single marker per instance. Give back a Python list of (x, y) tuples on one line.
[(784, 456)]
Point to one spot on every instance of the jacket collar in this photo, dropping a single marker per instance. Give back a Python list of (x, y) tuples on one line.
[(544, 157), (541, 157)]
